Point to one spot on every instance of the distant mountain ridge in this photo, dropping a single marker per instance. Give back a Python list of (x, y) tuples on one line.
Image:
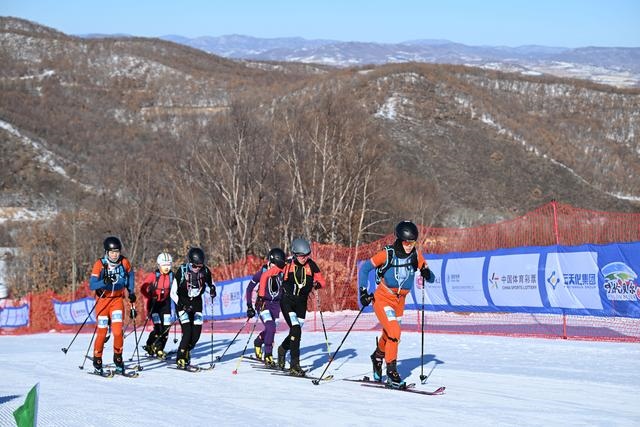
[(618, 66), (485, 145)]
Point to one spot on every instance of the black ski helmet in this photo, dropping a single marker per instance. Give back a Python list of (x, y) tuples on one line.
[(300, 246), (112, 243), (277, 256), (196, 256), (407, 230)]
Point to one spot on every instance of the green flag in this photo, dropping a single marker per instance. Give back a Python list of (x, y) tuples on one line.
[(27, 414)]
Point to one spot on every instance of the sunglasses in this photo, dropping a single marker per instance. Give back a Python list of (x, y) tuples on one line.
[(301, 255), (408, 242), (196, 266)]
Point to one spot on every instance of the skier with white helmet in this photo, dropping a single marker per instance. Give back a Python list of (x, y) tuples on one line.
[(156, 288)]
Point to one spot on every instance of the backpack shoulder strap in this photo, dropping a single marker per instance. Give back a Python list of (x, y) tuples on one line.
[(105, 267), (387, 264), (183, 270)]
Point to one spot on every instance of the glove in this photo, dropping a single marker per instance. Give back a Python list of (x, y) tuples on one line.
[(108, 280), (188, 309), (365, 297), (259, 303), (212, 291), (428, 275), (317, 286), (100, 292), (132, 298), (250, 312), (133, 313)]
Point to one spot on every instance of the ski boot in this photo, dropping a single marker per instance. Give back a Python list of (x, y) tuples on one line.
[(161, 354), (376, 358), (281, 355), (117, 360), (182, 360), (257, 349), (393, 377), (150, 349), (97, 364), (296, 370), (268, 361)]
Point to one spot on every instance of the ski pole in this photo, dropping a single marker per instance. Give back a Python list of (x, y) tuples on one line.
[(86, 355), (218, 358), (144, 326), (326, 339), (165, 332), (211, 325), (422, 376), (331, 359), (65, 349), (133, 314), (175, 328), (235, 371)]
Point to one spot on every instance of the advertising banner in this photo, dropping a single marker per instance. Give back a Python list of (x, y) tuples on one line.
[(14, 317), (598, 280)]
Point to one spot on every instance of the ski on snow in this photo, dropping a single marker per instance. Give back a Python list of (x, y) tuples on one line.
[(285, 372), (193, 368), (110, 373), (410, 387), (104, 374)]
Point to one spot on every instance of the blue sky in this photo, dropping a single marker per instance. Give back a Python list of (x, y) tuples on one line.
[(568, 23)]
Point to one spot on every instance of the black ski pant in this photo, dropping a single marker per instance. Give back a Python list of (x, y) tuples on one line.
[(160, 314), (294, 310), (191, 324)]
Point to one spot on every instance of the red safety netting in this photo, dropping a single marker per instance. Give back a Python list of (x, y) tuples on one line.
[(552, 223)]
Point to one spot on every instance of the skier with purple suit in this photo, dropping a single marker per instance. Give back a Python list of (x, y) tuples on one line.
[(269, 278)]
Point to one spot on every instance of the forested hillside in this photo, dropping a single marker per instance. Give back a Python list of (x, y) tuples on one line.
[(167, 146)]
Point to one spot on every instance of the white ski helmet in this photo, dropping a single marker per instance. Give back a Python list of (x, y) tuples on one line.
[(164, 259)]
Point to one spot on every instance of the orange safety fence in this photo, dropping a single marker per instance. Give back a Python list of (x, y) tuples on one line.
[(550, 224)]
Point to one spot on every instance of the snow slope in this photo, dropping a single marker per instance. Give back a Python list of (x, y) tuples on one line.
[(492, 381)]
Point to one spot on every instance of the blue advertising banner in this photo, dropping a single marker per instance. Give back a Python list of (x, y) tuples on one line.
[(230, 302), (597, 280), (14, 317), (74, 312)]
